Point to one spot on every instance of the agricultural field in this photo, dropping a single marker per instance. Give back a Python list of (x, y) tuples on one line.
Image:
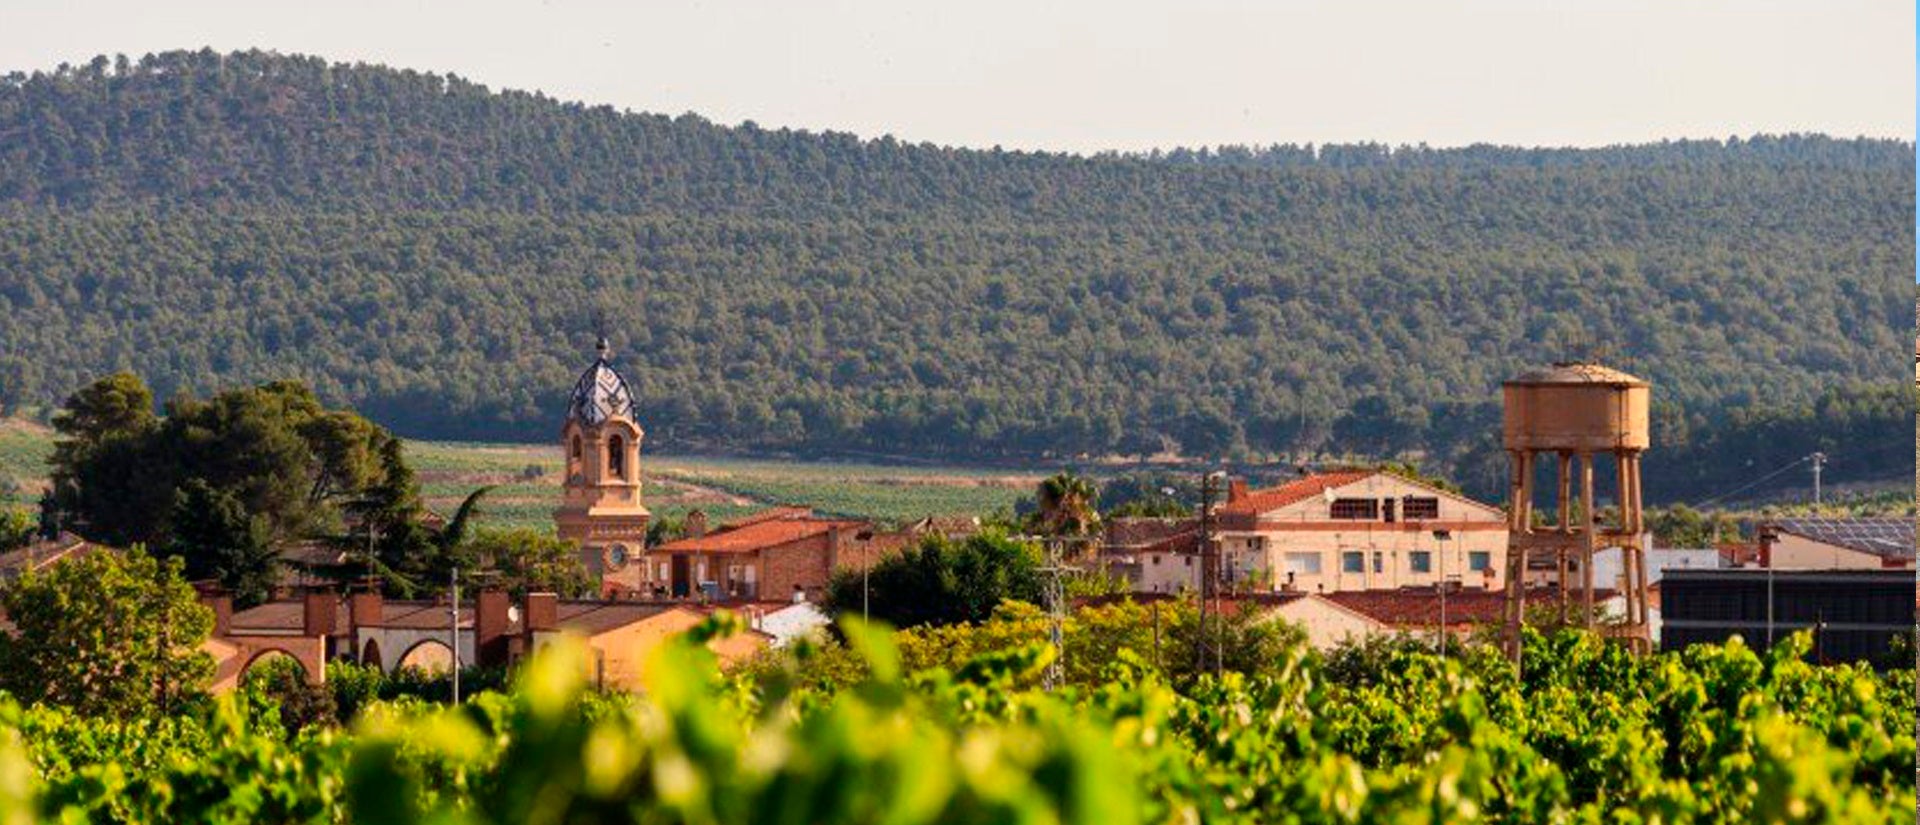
[(528, 479), (24, 447)]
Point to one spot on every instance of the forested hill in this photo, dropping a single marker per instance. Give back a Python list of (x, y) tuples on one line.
[(441, 255)]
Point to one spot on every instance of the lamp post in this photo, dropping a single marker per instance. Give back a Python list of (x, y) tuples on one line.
[(866, 566), (1440, 549), (453, 628)]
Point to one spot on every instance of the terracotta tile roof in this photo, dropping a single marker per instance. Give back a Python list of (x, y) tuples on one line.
[(1140, 535), (594, 618), (44, 552), (282, 617), (312, 553), (949, 526), (1230, 601), (290, 615), (769, 514), (420, 615), (1415, 607), (1260, 501), (757, 534)]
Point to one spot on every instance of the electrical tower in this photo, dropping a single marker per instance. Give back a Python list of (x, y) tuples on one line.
[(1056, 594)]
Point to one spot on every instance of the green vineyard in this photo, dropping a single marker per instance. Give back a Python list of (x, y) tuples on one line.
[(1383, 734)]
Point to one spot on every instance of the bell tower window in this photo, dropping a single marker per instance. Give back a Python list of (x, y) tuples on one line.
[(617, 458)]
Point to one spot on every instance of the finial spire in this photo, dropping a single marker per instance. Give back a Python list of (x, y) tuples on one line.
[(602, 348)]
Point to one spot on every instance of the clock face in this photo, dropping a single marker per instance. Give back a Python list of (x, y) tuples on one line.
[(616, 557)]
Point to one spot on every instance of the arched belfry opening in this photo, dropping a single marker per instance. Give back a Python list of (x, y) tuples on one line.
[(601, 504)]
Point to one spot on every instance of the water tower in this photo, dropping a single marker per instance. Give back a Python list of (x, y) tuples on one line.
[(1574, 414)]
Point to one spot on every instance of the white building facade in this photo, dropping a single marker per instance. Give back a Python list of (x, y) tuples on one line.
[(1359, 530)]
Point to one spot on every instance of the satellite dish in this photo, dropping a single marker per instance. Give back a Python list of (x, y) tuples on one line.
[(1327, 494), (513, 613)]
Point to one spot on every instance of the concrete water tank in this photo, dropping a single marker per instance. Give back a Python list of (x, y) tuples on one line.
[(1577, 407)]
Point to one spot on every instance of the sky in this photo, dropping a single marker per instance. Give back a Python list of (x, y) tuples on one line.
[(1091, 75)]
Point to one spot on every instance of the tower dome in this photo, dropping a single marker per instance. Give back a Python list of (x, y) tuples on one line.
[(600, 504), (601, 393)]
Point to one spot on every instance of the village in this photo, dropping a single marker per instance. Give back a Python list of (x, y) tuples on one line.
[(1345, 554)]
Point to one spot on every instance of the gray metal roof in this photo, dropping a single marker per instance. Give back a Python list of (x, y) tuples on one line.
[(1885, 537)]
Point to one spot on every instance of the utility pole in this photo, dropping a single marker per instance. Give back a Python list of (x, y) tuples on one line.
[(1819, 460), (1210, 576), (453, 629), (1440, 549)]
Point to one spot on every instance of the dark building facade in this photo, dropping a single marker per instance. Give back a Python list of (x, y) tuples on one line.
[(1854, 614)]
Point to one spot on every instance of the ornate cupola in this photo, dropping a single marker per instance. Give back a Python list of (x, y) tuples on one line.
[(600, 507)]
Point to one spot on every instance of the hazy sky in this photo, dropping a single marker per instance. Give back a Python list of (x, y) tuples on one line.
[(1103, 74)]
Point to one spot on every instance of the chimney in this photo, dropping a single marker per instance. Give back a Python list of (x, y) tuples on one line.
[(317, 613), (490, 627), (695, 523), (222, 606), (1236, 489), (365, 610), (543, 612)]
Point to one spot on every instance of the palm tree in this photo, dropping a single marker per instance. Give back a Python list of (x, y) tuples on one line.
[(1067, 506), (403, 549)]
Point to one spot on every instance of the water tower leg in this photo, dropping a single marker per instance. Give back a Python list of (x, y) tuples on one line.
[(1589, 521)]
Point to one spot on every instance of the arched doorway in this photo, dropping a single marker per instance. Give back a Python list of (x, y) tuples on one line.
[(370, 655), (428, 655)]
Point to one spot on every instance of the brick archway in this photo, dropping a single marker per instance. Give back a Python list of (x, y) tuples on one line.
[(309, 652)]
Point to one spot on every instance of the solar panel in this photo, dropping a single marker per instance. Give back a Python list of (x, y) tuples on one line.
[(1880, 536)]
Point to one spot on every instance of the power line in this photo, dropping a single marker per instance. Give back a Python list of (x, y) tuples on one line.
[(1818, 458), (1756, 482)]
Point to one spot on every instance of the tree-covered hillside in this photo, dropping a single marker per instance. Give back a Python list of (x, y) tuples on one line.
[(440, 255)]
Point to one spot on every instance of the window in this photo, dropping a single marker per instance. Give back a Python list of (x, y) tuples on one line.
[(1355, 509), (1353, 562), (1479, 560), (617, 457), (1386, 508), (1305, 564), (1379, 562), (1421, 508), (576, 448), (1421, 561)]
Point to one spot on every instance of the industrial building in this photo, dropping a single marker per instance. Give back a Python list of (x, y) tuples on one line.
[(1854, 615)]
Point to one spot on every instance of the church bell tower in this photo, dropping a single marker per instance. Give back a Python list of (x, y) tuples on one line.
[(600, 505)]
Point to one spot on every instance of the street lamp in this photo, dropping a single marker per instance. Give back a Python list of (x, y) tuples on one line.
[(1440, 549), (866, 565)]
